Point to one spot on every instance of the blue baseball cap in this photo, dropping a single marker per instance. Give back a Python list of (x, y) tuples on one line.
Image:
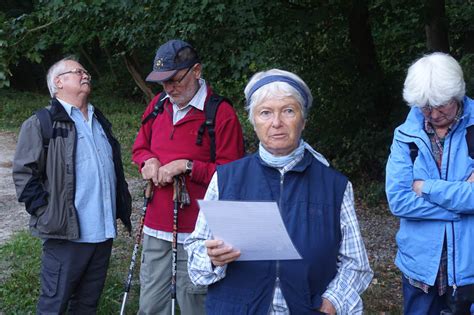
[(168, 61)]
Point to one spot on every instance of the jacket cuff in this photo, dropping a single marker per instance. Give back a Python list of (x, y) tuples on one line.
[(426, 189), (335, 300)]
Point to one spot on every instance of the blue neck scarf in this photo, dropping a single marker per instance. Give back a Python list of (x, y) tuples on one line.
[(297, 154)]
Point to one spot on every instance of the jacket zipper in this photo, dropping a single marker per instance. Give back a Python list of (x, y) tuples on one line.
[(73, 170), (277, 267), (454, 256), (445, 178), (452, 222)]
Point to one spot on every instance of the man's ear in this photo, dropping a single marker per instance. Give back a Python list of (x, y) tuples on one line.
[(58, 83), (197, 71)]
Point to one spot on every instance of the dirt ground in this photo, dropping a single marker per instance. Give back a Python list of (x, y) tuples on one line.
[(13, 216)]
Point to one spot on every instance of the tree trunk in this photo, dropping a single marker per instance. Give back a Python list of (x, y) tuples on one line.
[(137, 77), (361, 36), (436, 26)]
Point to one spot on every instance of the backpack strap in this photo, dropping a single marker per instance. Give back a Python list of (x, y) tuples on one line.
[(470, 140), (46, 123), (413, 151), (158, 109), (210, 110)]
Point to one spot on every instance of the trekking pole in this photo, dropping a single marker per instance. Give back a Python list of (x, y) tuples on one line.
[(181, 198), (147, 194), (174, 245)]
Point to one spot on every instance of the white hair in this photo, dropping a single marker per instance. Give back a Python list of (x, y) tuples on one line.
[(433, 80), (276, 90), (54, 71)]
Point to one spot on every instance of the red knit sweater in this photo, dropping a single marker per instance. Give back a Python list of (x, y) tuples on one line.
[(160, 139)]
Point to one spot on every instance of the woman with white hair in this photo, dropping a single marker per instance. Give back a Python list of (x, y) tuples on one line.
[(316, 204), (429, 186)]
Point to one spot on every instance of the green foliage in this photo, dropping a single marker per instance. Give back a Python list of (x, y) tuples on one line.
[(398, 31), (467, 63), (19, 283), (371, 194), (20, 260), (355, 111), (17, 107)]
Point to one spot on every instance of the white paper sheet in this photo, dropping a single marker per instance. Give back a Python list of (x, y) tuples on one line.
[(255, 228)]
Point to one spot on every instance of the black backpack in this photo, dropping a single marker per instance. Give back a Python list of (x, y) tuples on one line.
[(469, 139), (210, 110), (46, 123)]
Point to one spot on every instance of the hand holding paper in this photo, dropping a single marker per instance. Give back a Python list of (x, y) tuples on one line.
[(255, 229), (221, 253)]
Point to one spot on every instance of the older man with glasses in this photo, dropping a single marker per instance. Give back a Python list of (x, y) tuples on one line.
[(74, 188), (429, 186), (166, 149)]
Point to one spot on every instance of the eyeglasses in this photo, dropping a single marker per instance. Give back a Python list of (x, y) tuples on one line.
[(428, 109), (78, 71), (170, 82)]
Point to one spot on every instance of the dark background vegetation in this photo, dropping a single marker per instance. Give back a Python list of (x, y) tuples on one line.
[(352, 53)]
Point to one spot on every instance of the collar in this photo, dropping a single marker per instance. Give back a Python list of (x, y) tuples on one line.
[(198, 100), (69, 107)]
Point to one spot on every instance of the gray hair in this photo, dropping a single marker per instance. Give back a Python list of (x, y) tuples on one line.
[(276, 90), (55, 70), (433, 80)]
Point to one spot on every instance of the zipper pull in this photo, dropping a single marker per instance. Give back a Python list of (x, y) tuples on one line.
[(455, 287)]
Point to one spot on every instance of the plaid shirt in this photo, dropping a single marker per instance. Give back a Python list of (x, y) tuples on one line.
[(353, 275), (437, 146)]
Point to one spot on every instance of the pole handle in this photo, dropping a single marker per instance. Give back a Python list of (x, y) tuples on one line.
[(148, 189)]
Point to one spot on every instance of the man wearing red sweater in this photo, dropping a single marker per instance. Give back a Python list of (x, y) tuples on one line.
[(165, 148)]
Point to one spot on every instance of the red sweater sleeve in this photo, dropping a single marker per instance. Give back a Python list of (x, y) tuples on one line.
[(141, 147), (229, 144)]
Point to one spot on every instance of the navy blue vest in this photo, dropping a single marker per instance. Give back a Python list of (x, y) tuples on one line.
[(309, 198)]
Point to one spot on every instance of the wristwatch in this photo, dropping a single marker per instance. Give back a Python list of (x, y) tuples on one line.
[(189, 167)]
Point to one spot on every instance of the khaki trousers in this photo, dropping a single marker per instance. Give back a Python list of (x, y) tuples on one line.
[(155, 281)]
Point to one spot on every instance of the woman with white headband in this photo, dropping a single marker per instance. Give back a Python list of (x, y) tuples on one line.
[(317, 207)]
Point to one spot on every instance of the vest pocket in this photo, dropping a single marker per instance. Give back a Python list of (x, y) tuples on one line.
[(319, 211), (225, 307), (229, 300)]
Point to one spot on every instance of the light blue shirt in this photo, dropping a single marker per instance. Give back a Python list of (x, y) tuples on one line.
[(95, 178)]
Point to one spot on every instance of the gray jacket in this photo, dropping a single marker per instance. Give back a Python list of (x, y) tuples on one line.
[(45, 182)]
